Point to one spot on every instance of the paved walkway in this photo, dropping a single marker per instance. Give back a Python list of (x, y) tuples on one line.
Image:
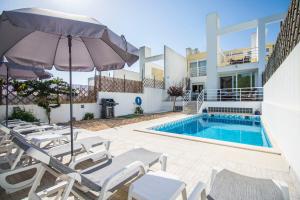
[(192, 161)]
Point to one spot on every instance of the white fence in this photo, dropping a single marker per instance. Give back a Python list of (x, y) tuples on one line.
[(233, 94)]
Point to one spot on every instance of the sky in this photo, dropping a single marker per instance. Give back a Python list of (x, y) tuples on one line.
[(154, 23)]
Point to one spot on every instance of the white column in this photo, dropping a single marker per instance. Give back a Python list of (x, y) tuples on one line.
[(261, 37), (212, 26), (144, 52)]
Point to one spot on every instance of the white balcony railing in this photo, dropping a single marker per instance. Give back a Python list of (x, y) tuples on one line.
[(233, 94), (247, 55)]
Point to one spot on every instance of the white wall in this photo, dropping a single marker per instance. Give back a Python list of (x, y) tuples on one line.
[(212, 46), (255, 105), (129, 75), (148, 69), (281, 107), (152, 101), (60, 114), (175, 67)]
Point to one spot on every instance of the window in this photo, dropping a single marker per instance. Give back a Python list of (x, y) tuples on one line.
[(193, 69), (244, 80), (226, 82), (202, 68), (198, 68)]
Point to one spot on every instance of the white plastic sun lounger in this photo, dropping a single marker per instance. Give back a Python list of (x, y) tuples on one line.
[(228, 185), (20, 162), (34, 128), (103, 177), (59, 130), (55, 135)]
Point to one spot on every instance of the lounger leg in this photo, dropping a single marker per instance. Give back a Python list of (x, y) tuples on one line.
[(21, 151), (68, 189), (130, 193), (37, 181), (184, 195), (163, 162)]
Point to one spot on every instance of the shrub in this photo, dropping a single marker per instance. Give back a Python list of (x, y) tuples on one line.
[(88, 116), (24, 115), (138, 110)]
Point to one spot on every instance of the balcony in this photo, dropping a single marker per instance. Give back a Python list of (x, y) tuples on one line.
[(237, 57)]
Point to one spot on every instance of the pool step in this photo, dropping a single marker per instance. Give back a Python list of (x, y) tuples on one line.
[(190, 108)]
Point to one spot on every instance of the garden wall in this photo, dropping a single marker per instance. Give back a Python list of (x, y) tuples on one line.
[(281, 107), (152, 101), (60, 114)]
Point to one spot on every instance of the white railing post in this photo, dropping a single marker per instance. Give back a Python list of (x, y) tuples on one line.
[(220, 94), (240, 94)]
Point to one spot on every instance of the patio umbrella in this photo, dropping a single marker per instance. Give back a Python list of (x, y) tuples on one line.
[(16, 71), (46, 38)]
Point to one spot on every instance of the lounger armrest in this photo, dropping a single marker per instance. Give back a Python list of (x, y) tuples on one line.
[(198, 192), (94, 156), (121, 175), (284, 189)]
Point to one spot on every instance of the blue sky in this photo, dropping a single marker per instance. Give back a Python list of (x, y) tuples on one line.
[(176, 23)]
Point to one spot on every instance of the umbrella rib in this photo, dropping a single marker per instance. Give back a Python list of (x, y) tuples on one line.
[(88, 52), (54, 57)]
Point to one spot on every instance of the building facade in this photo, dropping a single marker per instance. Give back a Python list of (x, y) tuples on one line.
[(236, 68)]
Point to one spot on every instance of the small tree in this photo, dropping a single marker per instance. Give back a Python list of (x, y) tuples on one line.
[(46, 93), (175, 91)]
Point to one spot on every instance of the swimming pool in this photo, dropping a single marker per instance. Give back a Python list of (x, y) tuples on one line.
[(229, 128)]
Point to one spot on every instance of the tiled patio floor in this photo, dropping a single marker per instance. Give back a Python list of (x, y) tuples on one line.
[(192, 161)]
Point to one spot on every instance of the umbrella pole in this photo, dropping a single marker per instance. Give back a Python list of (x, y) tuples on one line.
[(71, 102), (6, 98)]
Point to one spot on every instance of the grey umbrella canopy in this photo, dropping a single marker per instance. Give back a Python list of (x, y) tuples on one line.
[(39, 37), (46, 38), (16, 71)]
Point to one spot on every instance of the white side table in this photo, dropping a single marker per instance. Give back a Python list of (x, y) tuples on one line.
[(158, 185)]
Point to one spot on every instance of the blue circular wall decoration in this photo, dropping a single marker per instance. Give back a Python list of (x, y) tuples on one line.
[(138, 101)]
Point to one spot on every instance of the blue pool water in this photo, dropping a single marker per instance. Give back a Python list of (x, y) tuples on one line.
[(229, 128)]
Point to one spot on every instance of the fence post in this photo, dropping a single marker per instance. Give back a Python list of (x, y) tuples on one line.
[(100, 83), (154, 81), (124, 83)]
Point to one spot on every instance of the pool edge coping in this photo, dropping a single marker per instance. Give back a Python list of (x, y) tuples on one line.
[(271, 150)]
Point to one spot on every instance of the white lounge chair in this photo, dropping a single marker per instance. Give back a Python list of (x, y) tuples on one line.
[(103, 177), (224, 185), (19, 161), (55, 135)]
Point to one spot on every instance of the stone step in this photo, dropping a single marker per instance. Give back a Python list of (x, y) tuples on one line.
[(190, 108)]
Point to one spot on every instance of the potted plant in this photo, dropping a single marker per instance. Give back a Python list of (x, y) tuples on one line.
[(138, 110), (257, 112)]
